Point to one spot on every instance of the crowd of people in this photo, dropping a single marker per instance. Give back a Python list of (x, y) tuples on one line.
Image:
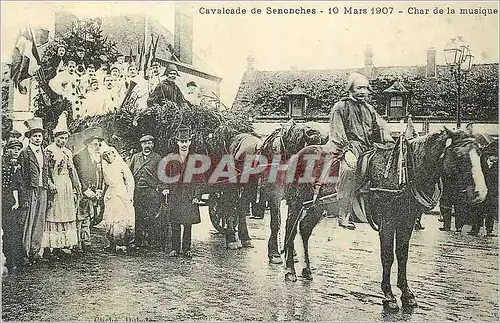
[(98, 89), (51, 198)]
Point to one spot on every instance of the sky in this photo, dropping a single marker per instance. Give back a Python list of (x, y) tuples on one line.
[(279, 42)]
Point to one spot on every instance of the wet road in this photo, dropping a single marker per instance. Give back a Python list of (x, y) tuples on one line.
[(454, 277)]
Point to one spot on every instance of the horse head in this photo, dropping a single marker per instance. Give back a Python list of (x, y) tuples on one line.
[(462, 164)]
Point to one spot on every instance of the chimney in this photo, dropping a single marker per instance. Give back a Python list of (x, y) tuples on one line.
[(183, 32), (250, 62), (430, 68), (368, 61)]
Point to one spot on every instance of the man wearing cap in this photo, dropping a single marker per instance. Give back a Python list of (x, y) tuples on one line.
[(146, 197), (13, 204), (89, 169), (354, 127), (182, 198), (35, 181), (167, 90)]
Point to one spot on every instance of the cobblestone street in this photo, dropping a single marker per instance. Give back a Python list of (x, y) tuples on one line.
[(453, 275)]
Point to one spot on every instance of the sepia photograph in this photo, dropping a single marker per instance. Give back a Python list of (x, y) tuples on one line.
[(250, 161)]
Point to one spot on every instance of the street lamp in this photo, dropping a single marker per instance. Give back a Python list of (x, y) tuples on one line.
[(459, 59)]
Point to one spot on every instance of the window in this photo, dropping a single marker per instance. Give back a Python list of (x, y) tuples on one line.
[(297, 107), (396, 101)]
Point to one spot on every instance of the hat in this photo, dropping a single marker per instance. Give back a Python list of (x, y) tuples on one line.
[(184, 134), (155, 64), (146, 138), (192, 83), (94, 133), (14, 142), (15, 134), (62, 125), (34, 125), (172, 68), (114, 67), (353, 78)]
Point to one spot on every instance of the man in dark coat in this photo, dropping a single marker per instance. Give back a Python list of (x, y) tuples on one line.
[(144, 167), (89, 169), (167, 90), (35, 182), (182, 198), (354, 127)]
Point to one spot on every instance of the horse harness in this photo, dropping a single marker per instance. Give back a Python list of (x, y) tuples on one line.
[(406, 172)]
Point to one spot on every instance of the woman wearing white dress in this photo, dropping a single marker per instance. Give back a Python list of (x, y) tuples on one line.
[(119, 216)]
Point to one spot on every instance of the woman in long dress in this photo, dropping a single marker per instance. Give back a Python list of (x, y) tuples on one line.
[(119, 214), (60, 234)]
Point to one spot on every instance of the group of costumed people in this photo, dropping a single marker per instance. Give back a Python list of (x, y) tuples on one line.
[(49, 196), (52, 198), (96, 90)]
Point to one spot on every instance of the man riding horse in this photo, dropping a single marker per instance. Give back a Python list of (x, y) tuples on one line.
[(354, 127)]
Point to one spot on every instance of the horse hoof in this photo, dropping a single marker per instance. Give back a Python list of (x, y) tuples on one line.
[(307, 274), (275, 260), (390, 305), (408, 301), (290, 277), (232, 246)]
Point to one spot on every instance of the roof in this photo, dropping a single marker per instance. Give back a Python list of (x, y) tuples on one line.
[(396, 87), (297, 91), (265, 92)]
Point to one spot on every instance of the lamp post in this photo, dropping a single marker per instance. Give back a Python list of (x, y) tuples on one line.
[(459, 59)]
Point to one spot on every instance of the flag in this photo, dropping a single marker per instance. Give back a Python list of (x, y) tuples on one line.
[(25, 59), (154, 49), (147, 59)]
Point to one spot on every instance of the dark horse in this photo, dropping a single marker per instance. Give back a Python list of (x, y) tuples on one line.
[(283, 142), (393, 208), (229, 202)]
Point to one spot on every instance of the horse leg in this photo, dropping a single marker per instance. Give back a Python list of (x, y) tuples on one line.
[(229, 213), (403, 235), (306, 227), (386, 235), (272, 245), (243, 208), (291, 231)]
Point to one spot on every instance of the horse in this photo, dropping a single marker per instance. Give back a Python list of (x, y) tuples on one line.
[(229, 202), (284, 142), (392, 208)]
